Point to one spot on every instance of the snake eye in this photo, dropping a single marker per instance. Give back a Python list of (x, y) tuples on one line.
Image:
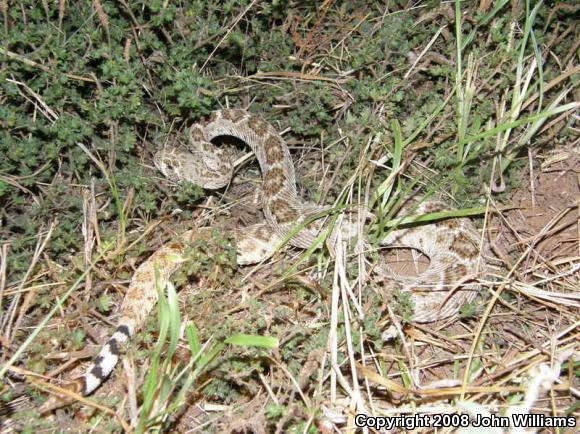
[(165, 167)]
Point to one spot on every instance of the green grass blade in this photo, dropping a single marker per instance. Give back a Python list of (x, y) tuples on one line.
[(253, 341), (174, 319), (516, 123), (193, 340), (434, 216)]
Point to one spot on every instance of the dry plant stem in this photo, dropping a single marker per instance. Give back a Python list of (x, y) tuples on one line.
[(236, 21), (88, 229), (296, 76), (66, 365), (288, 374), (34, 64), (135, 27), (423, 333), (43, 107), (531, 177), (8, 323), (393, 386), (269, 390), (425, 50), (12, 180), (554, 82), (333, 336), (76, 397), (3, 266), (340, 264)]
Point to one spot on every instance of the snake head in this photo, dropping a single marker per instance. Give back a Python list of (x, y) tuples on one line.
[(170, 163), (211, 171)]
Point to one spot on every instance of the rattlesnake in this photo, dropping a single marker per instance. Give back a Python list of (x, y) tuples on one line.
[(451, 245)]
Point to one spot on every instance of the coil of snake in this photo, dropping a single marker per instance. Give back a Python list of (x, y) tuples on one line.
[(438, 292)]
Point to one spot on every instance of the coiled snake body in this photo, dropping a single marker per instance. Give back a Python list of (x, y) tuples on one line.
[(451, 245)]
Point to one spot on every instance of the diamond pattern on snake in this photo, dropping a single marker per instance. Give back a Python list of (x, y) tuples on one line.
[(437, 293)]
